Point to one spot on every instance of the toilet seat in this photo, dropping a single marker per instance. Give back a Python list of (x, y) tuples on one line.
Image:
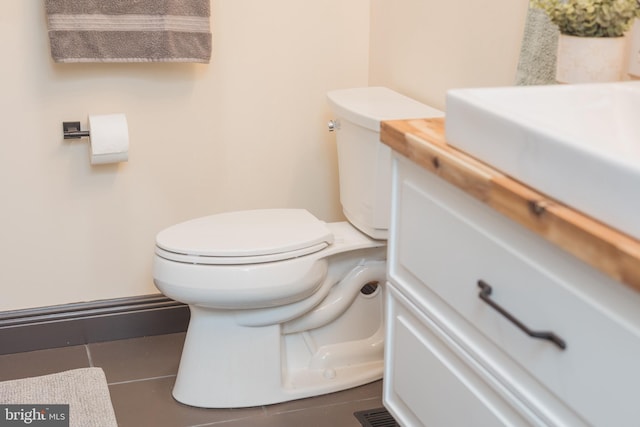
[(244, 237)]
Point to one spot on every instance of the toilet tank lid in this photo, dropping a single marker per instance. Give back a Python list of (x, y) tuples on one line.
[(368, 106), (246, 233)]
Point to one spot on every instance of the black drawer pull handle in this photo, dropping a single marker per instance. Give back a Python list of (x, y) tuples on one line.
[(485, 295)]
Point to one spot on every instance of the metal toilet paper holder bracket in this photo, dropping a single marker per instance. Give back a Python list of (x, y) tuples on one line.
[(71, 130)]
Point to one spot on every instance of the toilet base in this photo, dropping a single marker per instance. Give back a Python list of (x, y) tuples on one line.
[(226, 364)]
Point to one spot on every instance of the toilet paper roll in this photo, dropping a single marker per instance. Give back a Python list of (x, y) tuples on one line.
[(109, 138)]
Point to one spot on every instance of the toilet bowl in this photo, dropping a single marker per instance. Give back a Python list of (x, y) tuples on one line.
[(267, 332), (283, 305)]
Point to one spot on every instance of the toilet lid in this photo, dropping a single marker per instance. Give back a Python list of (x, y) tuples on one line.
[(245, 237)]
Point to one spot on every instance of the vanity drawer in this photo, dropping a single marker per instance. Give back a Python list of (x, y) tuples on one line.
[(428, 380), (445, 242)]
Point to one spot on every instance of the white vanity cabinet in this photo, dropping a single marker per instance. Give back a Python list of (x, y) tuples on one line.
[(456, 359)]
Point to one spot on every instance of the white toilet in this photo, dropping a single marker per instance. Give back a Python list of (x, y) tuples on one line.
[(283, 305)]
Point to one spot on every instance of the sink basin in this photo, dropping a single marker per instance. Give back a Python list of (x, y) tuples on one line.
[(579, 144)]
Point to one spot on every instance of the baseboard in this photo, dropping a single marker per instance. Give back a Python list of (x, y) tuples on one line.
[(84, 323)]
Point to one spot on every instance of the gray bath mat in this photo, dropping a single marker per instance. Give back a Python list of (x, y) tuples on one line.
[(84, 390)]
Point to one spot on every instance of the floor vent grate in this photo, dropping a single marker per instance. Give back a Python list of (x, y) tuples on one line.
[(379, 417)]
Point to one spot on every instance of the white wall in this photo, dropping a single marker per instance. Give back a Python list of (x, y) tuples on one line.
[(246, 131), (422, 48)]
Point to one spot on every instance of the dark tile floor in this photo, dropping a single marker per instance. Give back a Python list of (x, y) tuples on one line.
[(141, 373)]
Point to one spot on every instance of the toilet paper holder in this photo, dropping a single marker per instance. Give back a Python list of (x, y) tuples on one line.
[(71, 130)]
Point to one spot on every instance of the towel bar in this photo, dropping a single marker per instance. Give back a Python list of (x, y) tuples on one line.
[(71, 130)]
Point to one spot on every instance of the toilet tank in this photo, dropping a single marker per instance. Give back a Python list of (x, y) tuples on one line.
[(364, 162)]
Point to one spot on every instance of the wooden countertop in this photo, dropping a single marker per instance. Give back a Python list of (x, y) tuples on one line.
[(608, 250)]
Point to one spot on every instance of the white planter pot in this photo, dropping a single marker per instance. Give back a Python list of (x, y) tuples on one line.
[(590, 59)]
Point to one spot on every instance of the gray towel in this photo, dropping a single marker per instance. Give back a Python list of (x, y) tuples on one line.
[(129, 31), (537, 64)]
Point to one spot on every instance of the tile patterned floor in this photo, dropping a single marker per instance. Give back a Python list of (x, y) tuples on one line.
[(141, 373)]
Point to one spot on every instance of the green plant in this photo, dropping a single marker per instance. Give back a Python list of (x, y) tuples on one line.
[(591, 18)]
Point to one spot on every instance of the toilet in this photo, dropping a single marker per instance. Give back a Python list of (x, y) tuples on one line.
[(284, 305)]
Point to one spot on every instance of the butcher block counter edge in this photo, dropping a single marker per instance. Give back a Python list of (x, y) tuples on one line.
[(606, 249)]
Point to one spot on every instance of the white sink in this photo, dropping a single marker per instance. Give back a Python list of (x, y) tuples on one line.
[(579, 144)]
